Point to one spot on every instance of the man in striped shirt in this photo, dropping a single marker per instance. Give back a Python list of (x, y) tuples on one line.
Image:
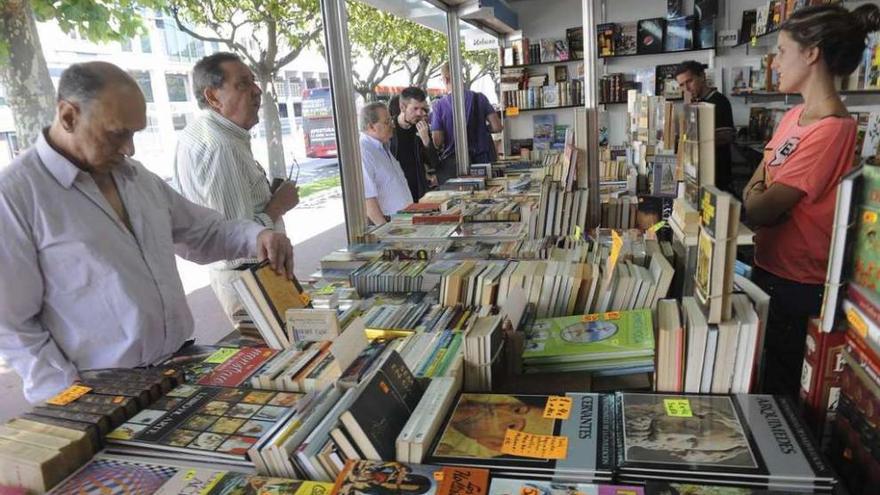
[(214, 165)]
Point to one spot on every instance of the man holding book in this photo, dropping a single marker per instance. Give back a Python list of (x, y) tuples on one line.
[(89, 278), (214, 166), (385, 188)]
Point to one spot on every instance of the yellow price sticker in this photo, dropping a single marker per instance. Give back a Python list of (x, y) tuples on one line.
[(69, 395), (612, 315), (616, 246), (678, 408), (657, 226), (221, 355), (190, 475), (118, 399), (511, 111), (529, 490), (170, 372), (522, 444), (869, 217), (857, 322), (578, 232), (590, 317), (438, 475), (557, 407), (305, 299)]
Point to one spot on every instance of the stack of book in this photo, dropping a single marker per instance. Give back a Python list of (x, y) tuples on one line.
[(716, 253), (698, 150), (559, 210), (618, 342)]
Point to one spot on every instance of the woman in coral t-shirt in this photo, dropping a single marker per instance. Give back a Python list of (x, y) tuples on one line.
[(791, 196)]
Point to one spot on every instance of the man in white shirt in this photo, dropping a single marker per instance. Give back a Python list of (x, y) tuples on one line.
[(88, 278), (385, 187), (214, 166)]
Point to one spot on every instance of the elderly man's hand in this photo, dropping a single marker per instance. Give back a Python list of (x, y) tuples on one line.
[(277, 248)]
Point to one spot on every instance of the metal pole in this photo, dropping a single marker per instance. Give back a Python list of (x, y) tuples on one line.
[(459, 116), (591, 103), (345, 119)]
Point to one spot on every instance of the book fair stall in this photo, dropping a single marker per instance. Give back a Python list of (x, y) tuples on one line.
[(576, 317)]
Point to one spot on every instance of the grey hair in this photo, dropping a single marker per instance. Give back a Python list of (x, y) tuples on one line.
[(207, 73), (82, 83), (370, 114)]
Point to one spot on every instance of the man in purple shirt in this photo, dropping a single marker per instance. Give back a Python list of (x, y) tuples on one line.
[(88, 277), (482, 121)]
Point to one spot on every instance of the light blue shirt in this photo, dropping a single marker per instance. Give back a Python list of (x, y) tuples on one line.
[(383, 176), (78, 290)]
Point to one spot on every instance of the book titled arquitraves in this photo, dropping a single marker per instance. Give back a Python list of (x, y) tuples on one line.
[(473, 433), (745, 438)]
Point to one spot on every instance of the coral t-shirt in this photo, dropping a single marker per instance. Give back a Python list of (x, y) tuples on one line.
[(811, 159)]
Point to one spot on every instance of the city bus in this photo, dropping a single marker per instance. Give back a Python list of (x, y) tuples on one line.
[(317, 122)]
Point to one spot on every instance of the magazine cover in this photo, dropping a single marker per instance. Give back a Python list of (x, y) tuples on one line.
[(396, 478), (544, 127), (101, 476), (473, 433), (219, 422), (666, 85), (626, 42), (701, 437), (616, 334)]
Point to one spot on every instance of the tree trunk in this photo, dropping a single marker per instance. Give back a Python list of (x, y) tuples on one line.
[(25, 74), (272, 123)]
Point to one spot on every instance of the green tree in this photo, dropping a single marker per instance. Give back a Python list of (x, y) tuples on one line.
[(23, 69), (477, 64), (379, 37), (425, 53), (267, 34)]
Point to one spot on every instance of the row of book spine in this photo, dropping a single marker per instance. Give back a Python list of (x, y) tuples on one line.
[(556, 95)]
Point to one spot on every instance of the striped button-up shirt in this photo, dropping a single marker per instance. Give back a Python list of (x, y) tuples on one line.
[(78, 289), (214, 167)]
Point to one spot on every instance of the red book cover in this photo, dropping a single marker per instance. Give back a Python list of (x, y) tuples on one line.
[(862, 301), (238, 368), (436, 219), (820, 376), (421, 208)]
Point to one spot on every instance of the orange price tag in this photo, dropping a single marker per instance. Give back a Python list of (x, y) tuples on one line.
[(557, 407), (522, 444), (612, 315), (118, 399), (305, 299), (438, 475), (511, 111), (529, 490), (69, 395), (170, 372), (869, 217), (590, 317)]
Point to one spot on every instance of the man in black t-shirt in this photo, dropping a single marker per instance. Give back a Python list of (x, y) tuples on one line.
[(411, 143), (691, 76)]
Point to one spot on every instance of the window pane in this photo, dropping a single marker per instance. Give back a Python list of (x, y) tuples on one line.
[(146, 47), (143, 80), (177, 87)]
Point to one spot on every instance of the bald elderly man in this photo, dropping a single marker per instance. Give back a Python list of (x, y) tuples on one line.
[(88, 278)]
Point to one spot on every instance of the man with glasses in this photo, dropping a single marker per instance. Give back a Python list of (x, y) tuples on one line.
[(411, 143), (214, 165), (385, 187)]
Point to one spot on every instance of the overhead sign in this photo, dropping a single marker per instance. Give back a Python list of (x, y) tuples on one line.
[(480, 41)]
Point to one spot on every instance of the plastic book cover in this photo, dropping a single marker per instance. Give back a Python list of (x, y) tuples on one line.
[(396, 478), (742, 437), (219, 422), (103, 476), (248, 484), (613, 334), (474, 432)]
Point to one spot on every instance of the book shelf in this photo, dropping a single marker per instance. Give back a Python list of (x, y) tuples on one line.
[(535, 64), (658, 53), (521, 110), (772, 96)]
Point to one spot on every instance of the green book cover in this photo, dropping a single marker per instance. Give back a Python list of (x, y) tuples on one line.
[(616, 334), (866, 270)]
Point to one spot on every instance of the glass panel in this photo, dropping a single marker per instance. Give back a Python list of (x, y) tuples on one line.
[(177, 87)]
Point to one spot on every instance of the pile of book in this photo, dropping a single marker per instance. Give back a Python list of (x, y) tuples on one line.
[(558, 248), (39, 448), (559, 210), (267, 295), (698, 150), (617, 342)]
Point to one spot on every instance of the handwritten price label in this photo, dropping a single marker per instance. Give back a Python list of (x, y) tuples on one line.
[(612, 315), (69, 395), (857, 322), (678, 408), (590, 317), (305, 299), (532, 445), (557, 407), (511, 111)]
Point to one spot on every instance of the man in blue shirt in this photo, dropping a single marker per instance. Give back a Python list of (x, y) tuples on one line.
[(482, 121)]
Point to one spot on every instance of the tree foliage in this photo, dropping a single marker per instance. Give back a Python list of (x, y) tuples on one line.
[(267, 34), (477, 64), (379, 37)]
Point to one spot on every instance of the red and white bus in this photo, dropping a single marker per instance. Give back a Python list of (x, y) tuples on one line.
[(317, 121)]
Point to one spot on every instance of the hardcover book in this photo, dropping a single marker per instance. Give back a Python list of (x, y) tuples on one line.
[(102, 475), (679, 34), (473, 435), (575, 37), (238, 368), (214, 422), (650, 35), (605, 39), (626, 42)]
